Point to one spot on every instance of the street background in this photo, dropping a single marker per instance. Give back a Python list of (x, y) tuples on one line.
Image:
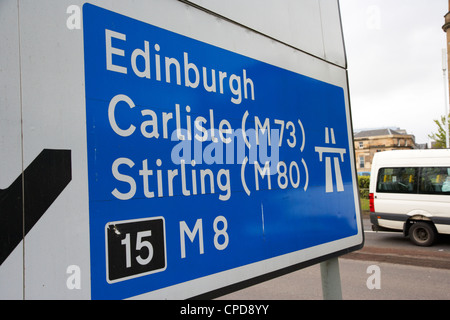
[(407, 272)]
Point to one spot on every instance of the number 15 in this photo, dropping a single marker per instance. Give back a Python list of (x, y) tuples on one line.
[(139, 245)]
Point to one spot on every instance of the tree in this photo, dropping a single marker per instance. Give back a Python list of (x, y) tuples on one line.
[(439, 137)]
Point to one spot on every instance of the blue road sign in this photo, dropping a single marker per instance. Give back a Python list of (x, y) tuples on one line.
[(201, 160)]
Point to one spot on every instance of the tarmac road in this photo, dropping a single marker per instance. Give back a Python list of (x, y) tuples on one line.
[(397, 282), (393, 247), (406, 272)]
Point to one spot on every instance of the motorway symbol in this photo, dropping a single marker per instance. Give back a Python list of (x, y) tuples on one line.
[(328, 169)]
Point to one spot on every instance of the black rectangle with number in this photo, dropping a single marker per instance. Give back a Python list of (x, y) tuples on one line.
[(135, 248)]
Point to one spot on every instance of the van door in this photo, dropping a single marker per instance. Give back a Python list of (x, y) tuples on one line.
[(395, 195)]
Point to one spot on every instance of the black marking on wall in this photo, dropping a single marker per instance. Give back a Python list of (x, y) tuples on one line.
[(42, 181)]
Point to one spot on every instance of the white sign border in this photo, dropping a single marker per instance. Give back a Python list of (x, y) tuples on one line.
[(221, 283)]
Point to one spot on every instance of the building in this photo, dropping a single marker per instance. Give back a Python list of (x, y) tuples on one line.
[(369, 142)]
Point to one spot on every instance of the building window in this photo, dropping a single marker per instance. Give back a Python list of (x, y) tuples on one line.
[(361, 145), (361, 162)]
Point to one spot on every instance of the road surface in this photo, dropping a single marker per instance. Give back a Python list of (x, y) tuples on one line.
[(405, 272)]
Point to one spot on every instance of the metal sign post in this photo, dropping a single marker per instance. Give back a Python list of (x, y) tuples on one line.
[(446, 106), (331, 279)]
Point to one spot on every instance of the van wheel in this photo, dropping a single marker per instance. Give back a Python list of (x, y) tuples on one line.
[(422, 234)]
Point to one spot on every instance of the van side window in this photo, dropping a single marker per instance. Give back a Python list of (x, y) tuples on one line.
[(397, 180), (435, 180)]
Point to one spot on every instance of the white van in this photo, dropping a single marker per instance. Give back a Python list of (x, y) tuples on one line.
[(410, 192)]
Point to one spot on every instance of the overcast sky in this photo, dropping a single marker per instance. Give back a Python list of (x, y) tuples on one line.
[(394, 54)]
